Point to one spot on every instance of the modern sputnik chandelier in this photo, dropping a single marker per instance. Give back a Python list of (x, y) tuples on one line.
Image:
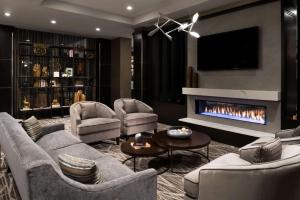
[(186, 27)]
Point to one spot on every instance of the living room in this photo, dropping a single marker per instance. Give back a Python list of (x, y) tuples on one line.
[(164, 99)]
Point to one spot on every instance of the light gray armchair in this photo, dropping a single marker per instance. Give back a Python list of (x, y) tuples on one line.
[(93, 122), (230, 177), (289, 136), (135, 116)]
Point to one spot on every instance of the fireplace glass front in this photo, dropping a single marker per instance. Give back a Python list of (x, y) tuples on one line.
[(234, 111)]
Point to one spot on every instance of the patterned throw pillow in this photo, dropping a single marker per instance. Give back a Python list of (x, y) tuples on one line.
[(129, 105), (88, 110), (262, 152), (33, 128), (79, 169)]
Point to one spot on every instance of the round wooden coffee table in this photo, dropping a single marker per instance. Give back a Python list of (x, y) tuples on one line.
[(133, 152), (197, 140)]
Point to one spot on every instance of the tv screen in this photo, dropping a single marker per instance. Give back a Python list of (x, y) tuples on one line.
[(229, 50)]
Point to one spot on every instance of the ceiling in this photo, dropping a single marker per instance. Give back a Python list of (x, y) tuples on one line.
[(81, 17)]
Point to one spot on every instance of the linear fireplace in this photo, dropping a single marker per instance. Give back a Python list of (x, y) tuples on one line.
[(234, 111)]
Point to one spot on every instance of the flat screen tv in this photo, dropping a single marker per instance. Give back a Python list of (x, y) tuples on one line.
[(229, 50)]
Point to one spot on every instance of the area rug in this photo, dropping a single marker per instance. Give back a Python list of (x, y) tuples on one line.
[(169, 185)]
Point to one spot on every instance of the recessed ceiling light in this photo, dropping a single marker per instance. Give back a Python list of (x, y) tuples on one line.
[(27, 40), (7, 14), (98, 29), (53, 22), (129, 8)]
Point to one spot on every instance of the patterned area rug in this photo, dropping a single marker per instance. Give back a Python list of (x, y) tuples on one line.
[(170, 185)]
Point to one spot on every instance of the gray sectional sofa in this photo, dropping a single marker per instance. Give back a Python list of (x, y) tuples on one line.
[(38, 176)]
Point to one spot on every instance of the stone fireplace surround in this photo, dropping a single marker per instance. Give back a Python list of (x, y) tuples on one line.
[(269, 99)]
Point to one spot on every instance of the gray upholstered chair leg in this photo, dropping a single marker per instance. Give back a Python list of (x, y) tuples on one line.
[(118, 140)]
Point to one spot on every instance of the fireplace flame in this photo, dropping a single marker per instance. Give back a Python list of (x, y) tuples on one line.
[(256, 114)]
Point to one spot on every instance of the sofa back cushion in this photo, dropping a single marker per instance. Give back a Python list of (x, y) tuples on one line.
[(262, 151), (130, 105), (88, 110), (296, 132)]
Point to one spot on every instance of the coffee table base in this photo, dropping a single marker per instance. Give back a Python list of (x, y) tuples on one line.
[(134, 163), (170, 155)]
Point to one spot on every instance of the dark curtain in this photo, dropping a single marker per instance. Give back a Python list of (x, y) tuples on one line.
[(164, 67)]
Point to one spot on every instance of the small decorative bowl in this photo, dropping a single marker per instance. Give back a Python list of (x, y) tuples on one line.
[(179, 132)]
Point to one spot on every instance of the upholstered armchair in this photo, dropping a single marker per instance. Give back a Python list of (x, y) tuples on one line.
[(93, 122), (135, 116), (289, 136), (230, 177)]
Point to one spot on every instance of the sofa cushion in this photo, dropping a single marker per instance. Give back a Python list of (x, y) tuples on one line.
[(94, 125), (191, 180), (130, 106), (56, 140), (134, 119), (78, 150), (88, 110), (111, 168), (79, 169), (33, 128), (262, 151)]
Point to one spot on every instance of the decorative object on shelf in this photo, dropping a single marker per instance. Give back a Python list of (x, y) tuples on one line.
[(44, 83), (71, 53), (45, 72), (40, 100), (79, 83), (69, 72), (53, 83), (37, 84), (79, 96), (195, 83), (37, 70), (55, 74), (179, 132), (26, 104), (55, 103), (80, 69), (90, 55), (186, 27), (39, 49)]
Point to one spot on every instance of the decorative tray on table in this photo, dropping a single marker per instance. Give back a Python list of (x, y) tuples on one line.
[(179, 132)]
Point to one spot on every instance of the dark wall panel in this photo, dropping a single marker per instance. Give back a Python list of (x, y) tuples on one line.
[(6, 87), (5, 73)]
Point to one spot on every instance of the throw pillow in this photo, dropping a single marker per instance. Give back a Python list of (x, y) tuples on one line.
[(129, 105), (271, 151), (33, 128), (88, 110), (79, 169), (262, 152)]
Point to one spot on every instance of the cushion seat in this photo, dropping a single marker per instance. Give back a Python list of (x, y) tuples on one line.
[(78, 150), (56, 140), (191, 180), (133, 119), (89, 126)]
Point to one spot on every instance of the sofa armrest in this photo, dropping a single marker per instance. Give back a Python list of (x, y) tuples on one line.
[(286, 133), (290, 140), (52, 128), (49, 183), (142, 107)]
